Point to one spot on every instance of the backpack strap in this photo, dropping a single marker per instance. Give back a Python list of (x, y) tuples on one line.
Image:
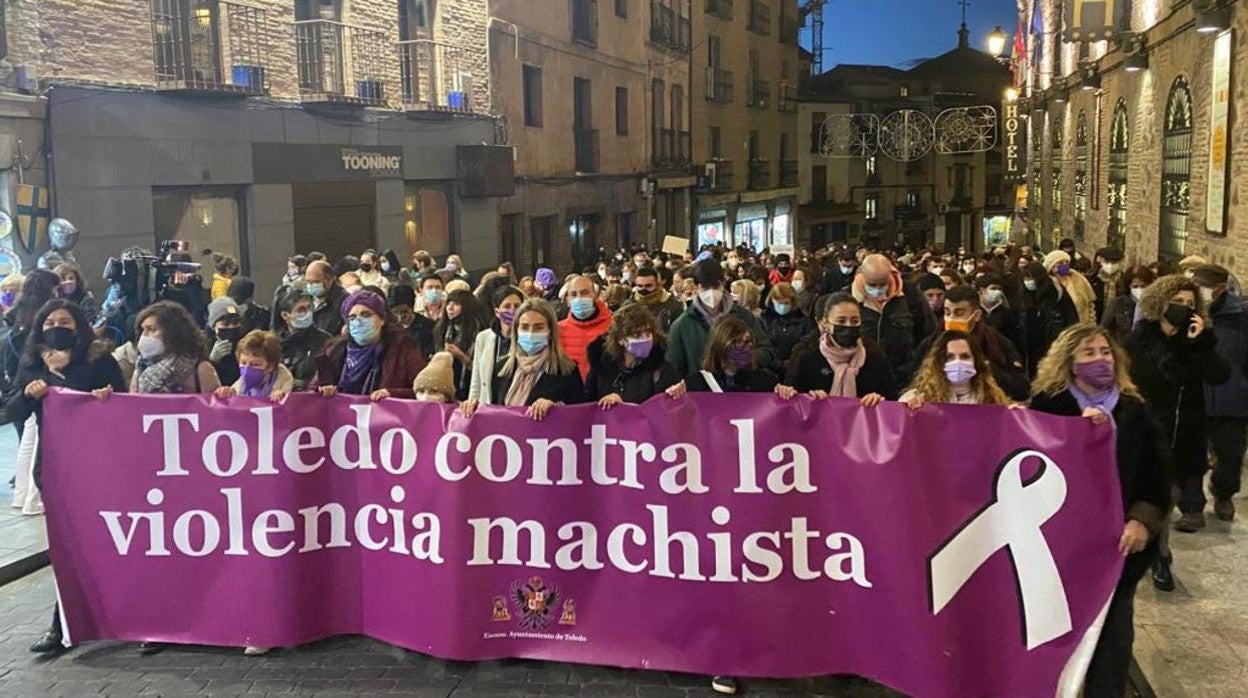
[(711, 382)]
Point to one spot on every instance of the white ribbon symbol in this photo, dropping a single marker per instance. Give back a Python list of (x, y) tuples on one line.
[(1012, 521)]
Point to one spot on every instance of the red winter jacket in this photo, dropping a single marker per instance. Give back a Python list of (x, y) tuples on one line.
[(576, 335)]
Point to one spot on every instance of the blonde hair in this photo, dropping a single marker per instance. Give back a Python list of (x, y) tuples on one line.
[(932, 384), (783, 289), (747, 294), (557, 362), (1054, 372), (13, 281), (1081, 294)]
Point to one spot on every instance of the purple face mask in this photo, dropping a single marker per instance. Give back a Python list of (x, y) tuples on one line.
[(507, 317), (1062, 269), (1099, 374), (741, 356), (640, 347)]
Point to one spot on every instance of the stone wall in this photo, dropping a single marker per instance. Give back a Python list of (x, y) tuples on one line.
[(1175, 51)]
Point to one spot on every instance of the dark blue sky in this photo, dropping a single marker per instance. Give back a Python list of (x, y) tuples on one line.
[(894, 32)]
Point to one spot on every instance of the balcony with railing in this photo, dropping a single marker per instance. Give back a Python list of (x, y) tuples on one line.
[(720, 8), (340, 63), (789, 27), (760, 93), (760, 18), (718, 84), (586, 143), (723, 180), (209, 46), (671, 147), (436, 77), (760, 174), (668, 29), (788, 173), (788, 97), (585, 22)]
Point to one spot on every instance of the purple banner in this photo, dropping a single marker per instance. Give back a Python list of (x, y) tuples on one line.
[(954, 551)]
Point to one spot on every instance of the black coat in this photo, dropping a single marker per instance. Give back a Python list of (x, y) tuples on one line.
[(328, 317), (421, 332), (1004, 319), (833, 280), (812, 372), (96, 370), (1141, 455), (299, 350), (745, 381), (1119, 317), (785, 331), (1172, 373), (257, 317), (904, 323), (1042, 317), (564, 388), (636, 385)]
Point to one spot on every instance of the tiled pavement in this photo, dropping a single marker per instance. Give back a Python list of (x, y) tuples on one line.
[(23, 540)]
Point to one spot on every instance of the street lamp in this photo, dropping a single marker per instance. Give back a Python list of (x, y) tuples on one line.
[(1011, 94), (996, 42)]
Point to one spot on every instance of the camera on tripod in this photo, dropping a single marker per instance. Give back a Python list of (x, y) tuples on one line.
[(137, 278)]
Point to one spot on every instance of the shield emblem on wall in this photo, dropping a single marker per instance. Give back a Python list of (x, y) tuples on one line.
[(33, 214)]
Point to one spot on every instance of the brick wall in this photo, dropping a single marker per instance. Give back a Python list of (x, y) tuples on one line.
[(1175, 50)]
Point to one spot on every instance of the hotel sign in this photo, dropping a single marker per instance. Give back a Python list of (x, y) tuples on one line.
[(1014, 125), (1219, 135)]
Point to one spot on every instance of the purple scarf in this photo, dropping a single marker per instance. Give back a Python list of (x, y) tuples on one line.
[(358, 368), (1105, 401)]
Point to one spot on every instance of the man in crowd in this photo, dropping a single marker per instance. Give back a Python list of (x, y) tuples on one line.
[(893, 312), (840, 273), (255, 316), (321, 283), (432, 297), (648, 290), (997, 311), (1226, 405), (964, 313), (689, 332), (588, 318)]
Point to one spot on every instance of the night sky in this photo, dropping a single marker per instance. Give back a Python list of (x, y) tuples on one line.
[(896, 32)]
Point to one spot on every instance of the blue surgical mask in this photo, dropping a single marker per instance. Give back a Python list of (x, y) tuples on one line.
[(302, 321), (532, 342), (315, 289), (782, 308), (363, 330), (433, 296), (581, 308), (1029, 284), (875, 293)]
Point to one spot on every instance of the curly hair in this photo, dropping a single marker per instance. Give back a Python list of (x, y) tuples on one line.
[(266, 345), (84, 337), (1156, 297), (178, 331), (1053, 375), (632, 321), (932, 384)]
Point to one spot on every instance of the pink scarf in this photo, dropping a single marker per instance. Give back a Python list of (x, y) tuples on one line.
[(525, 373), (845, 365)]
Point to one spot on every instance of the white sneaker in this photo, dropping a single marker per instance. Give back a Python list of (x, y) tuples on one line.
[(724, 684), (255, 651)]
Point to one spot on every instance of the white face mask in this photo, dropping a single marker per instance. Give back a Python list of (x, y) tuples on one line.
[(150, 346), (799, 286), (1136, 293), (428, 396), (1206, 295), (711, 297), (1109, 268)]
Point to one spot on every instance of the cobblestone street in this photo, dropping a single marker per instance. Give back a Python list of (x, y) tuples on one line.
[(345, 666)]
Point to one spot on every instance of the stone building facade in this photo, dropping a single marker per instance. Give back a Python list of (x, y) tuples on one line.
[(262, 128), (1126, 160)]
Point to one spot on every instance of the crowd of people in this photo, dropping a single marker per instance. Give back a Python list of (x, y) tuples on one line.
[(1158, 352)]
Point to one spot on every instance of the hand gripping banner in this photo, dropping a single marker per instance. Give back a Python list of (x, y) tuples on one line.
[(951, 552)]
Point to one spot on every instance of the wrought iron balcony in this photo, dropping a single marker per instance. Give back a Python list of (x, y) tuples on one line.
[(585, 21), (760, 93), (788, 173), (760, 174), (671, 147), (684, 147), (720, 8), (209, 46), (788, 98), (760, 18), (436, 77), (586, 149), (718, 84), (340, 63), (723, 175), (668, 28)]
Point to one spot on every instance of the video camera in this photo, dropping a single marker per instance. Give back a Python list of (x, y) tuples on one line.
[(138, 278)]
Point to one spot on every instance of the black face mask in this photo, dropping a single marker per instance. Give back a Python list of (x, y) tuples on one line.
[(846, 336), (1179, 315), (366, 267), (229, 334), (59, 338)]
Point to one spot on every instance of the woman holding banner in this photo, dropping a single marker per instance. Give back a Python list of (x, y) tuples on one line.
[(1087, 373), (628, 364), (61, 352), (729, 363), (373, 358), (172, 359), (536, 373), (844, 364), (954, 371)]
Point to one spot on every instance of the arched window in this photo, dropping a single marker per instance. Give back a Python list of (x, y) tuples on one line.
[(1055, 191), (1176, 172), (1119, 155), (1081, 174)]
